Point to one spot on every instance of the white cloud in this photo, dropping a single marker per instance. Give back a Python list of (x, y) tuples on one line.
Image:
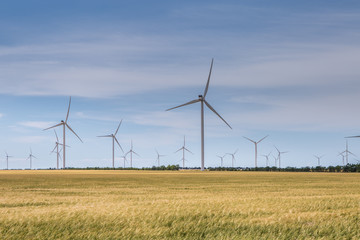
[(37, 124)]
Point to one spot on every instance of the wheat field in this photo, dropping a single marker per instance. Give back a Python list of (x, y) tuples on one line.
[(98, 204)]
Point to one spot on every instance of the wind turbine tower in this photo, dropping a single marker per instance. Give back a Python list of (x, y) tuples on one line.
[(183, 148), (65, 125), (202, 100), (256, 143), (114, 139)]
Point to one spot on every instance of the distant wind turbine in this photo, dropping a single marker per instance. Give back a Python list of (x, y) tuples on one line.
[(202, 100), (267, 158), (233, 157), (64, 124), (347, 152), (57, 143), (30, 158), (158, 157), (256, 143), (279, 155), (124, 158), (7, 160), (343, 157), (114, 139), (318, 158), (183, 148), (131, 153), (275, 159), (222, 159)]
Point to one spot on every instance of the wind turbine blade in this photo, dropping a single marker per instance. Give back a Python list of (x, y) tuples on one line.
[(118, 144), (53, 126), (188, 103), (208, 81), (53, 149), (73, 132), (34, 156), (178, 150), (249, 139), (188, 150), (212, 109), (118, 127), (67, 115), (57, 139), (236, 151), (351, 153), (136, 153), (353, 137), (105, 136), (263, 138), (277, 149)]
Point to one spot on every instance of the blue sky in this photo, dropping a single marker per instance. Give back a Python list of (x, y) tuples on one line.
[(284, 68)]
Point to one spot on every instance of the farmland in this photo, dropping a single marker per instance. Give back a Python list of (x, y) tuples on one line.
[(74, 204)]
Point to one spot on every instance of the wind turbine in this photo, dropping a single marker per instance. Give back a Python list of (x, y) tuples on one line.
[(183, 148), (279, 155), (158, 157), (124, 157), (318, 158), (7, 160), (233, 157), (267, 158), (275, 159), (256, 143), (202, 100), (347, 150), (64, 124), (57, 143), (30, 158), (113, 136), (343, 157), (131, 153), (222, 159)]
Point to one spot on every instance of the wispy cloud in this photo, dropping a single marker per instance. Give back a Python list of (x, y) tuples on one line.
[(37, 124)]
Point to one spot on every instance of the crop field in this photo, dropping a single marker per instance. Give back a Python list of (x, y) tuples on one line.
[(75, 204)]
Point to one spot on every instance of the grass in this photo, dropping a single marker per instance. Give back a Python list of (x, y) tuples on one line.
[(178, 205)]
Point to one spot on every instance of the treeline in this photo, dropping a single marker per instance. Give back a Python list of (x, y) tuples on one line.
[(346, 168), (169, 167)]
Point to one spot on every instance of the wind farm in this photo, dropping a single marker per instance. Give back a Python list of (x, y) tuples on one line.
[(179, 120)]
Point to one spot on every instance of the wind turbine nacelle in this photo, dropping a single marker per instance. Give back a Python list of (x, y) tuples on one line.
[(200, 96)]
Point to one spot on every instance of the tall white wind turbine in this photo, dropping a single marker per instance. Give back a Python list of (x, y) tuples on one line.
[(65, 124), (319, 158), (279, 155), (183, 148), (131, 153), (30, 158), (256, 143), (233, 157), (114, 139), (7, 160), (202, 100)]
